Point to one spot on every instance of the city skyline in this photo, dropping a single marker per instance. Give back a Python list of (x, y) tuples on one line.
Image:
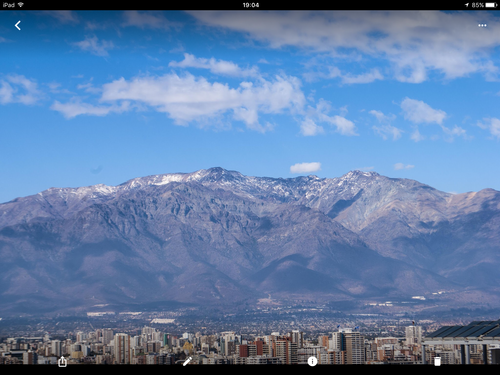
[(341, 346)]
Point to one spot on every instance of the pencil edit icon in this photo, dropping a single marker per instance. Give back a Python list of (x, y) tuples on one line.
[(187, 361)]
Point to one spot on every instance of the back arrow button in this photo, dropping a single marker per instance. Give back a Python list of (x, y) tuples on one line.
[(17, 24)]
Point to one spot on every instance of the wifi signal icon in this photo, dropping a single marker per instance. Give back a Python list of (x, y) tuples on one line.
[(20, 5)]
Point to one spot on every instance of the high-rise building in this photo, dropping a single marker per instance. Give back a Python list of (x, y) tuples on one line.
[(147, 330), (136, 341), (259, 347), (355, 348), (316, 351), (85, 349), (165, 339), (148, 334), (297, 337), (252, 349), (30, 358), (107, 336), (351, 343), (324, 341), (284, 348), (413, 335), (81, 336), (57, 348), (153, 347), (242, 351), (228, 344), (98, 335), (122, 348)]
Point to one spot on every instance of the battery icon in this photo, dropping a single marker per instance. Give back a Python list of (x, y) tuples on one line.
[(491, 5)]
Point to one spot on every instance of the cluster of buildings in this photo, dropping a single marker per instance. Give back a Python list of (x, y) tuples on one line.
[(151, 346)]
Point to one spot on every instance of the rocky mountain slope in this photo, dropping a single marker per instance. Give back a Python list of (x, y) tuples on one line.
[(216, 236)]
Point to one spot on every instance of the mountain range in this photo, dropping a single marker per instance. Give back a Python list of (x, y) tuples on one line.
[(216, 237)]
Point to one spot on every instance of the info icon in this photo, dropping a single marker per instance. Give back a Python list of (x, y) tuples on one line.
[(312, 361)]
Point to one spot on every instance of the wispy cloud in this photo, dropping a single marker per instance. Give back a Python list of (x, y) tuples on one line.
[(345, 78), (94, 46), (399, 166), (75, 108), (419, 112), (457, 131), (413, 43), (309, 128), (16, 88), (188, 98), (343, 125), (89, 87), (320, 114), (63, 16), (150, 20), (388, 131), (55, 87), (215, 66), (305, 168), (492, 125), (416, 136), (385, 129)]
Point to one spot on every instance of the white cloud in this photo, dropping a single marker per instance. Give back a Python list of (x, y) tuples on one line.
[(399, 166), (94, 46), (152, 20), (89, 87), (188, 98), (369, 77), (55, 88), (343, 125), (493, 125), (6, 92), (414, 43), (308, 127), (455, 132), (305, 168), (215, 66), (64, 16), (76, 108), (345, 78), (16, 88), (381, 117), (386, 130), (419, 112), (319, 114), (416, 136)]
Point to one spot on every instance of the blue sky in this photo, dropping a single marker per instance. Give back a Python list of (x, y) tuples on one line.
[(103, 97)]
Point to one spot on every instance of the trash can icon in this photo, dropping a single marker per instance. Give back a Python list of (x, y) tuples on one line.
[(62, 362), (437, 361)]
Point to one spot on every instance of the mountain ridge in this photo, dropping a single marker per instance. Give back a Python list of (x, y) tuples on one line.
[(215, 236)]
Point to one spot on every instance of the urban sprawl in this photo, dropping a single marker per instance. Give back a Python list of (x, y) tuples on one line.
[(153, 345)]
